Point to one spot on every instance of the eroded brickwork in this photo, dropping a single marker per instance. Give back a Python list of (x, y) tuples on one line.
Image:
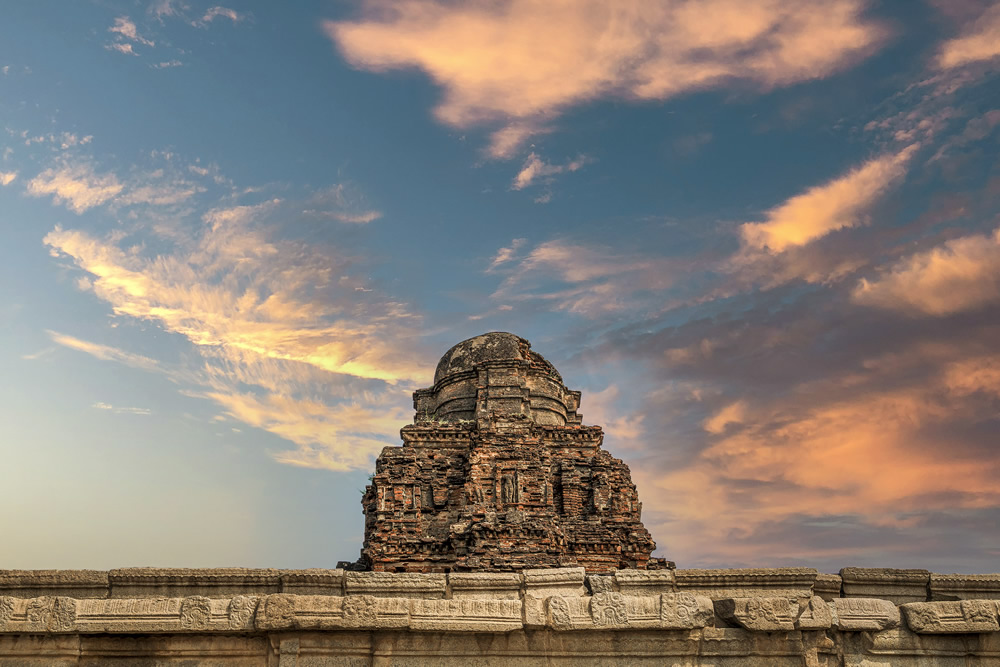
[(497, 473)]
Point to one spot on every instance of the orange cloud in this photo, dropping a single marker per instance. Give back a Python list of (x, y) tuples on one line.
[(979, 42), (520, 62), (867, 452), (826, 208), (76, 186), (961, 274)]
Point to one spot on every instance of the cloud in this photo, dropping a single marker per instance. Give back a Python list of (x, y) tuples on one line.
[(126, 28), (961, 274), (734, 413), (7, 177), (167, 64), (222, 12), (120, 47), (204, 294), (980, 41), (77, 186), (341, 202), (286, 343), (581, 279), (345, 437), (506, 254), (520, 63), (826, 208), (121, 410), (105, 352), (535, 168)]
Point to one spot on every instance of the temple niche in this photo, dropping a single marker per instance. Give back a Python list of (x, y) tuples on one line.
[(498, 473)]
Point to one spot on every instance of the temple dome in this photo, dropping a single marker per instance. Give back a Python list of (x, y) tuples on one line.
[(495, 379), (495, 346)]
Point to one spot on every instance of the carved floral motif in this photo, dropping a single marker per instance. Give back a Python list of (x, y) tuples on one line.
[(196, 611)]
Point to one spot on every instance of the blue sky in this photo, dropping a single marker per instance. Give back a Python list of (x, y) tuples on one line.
[(761, 237)]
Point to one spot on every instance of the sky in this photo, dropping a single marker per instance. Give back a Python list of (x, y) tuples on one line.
[(761, 237)]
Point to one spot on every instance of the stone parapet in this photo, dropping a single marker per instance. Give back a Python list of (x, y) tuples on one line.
[(964, 587), (139, 582), (72, 583), (898, 586), (790, 582), (479, 626)]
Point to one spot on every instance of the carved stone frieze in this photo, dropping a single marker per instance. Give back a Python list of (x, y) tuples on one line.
[(684, 611), (864, 614), (759, 613), (951, 617)]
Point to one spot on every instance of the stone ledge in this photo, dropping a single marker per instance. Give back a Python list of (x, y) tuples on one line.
[(72, 583), (964, 587), (133, 582), (790, 582), (898, 586)]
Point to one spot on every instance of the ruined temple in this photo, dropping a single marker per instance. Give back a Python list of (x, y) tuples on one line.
[(498, 473)]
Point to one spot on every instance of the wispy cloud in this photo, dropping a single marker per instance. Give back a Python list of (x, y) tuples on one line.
[(959, 275), (120, 410), (826, 208), (121, 47), (341, 202), (535, 169), (7, 177), (505, 254), (978, 42), (579, 278), (78, 186), (222, 12), (519, 64), (126, 28), (105, 352)]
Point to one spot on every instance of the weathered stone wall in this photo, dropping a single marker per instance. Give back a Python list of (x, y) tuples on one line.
[(286, 618)]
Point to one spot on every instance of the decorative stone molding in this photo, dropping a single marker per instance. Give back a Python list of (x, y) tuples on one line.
[(827, 586), (494, 585), (790, 582), (396, 584), (313, 582), (964, 587), (36, 583), (181, 582), (899, 586), (644, 582)]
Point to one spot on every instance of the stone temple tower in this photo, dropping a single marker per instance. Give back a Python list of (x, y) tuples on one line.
[(497, 473)]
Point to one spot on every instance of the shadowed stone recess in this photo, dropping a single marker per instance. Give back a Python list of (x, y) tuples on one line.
[(497, 473)]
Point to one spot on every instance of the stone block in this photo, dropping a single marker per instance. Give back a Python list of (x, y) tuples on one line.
[(959, 616), (827, 586), (897, 586), (331, 612), (315, 581), (964, 587), (785, 582), (495, 585), (70, 583), (759, 613), (466, 615), (396, 584), (681, 611), (196, 614), (225, 582), (568, 613), (644, 582), (863, 614), (542, 583), (814, 614)]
